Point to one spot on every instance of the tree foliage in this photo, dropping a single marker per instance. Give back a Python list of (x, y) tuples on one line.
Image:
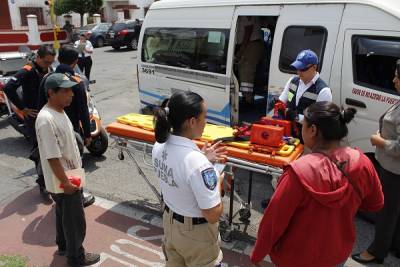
[(78, 6)]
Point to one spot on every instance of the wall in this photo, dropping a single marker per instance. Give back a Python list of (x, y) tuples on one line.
[(14, 6)]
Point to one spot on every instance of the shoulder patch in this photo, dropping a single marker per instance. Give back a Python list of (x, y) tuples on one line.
[(27, 67), (210, 178), (77, 78)]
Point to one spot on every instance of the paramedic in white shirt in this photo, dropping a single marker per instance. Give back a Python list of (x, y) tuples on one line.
[(306, 87), (85, 48), (190, 184)]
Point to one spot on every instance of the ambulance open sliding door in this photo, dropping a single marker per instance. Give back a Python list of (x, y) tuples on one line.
[(302, 27), (369, 59)]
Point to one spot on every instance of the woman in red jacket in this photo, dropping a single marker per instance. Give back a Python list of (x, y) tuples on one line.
[(309, 221)]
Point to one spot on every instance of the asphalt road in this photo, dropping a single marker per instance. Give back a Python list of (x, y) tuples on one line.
[(116, 94)]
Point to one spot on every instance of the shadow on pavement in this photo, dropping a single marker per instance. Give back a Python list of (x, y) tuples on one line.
[(25, 204), (89, 162), (15, 146), (121, 50), (41, 230)]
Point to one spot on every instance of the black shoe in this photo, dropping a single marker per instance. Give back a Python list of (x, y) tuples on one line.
[(88, 259), (357, 257), (87, 201), (45, 194)]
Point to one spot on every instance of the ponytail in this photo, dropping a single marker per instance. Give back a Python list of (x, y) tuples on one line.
[(162, 126)]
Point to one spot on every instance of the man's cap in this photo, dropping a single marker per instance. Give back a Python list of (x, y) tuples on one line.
[(305, 58), (58, 80)]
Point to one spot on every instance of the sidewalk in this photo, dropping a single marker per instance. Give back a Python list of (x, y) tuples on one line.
[(27, 228)]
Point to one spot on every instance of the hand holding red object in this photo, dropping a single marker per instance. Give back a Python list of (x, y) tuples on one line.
[(74, 180)]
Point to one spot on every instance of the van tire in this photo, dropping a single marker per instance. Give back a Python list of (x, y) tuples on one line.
[(116, 47)]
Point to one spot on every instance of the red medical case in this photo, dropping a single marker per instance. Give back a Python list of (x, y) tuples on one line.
[(266, 135)]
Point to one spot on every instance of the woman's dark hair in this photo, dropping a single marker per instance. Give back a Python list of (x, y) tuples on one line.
[(398, 67), (181, 106), (83, 35), (329, 119), (45, 50), (68, 54)]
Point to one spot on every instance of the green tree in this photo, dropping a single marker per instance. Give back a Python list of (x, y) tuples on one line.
[(78, 6)]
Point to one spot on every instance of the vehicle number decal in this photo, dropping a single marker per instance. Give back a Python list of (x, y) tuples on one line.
[(148, 71)]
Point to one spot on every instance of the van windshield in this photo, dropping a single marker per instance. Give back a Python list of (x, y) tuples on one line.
[(199, 49)]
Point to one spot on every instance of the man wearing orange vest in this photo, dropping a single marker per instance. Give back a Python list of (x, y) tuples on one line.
[(29, 78)]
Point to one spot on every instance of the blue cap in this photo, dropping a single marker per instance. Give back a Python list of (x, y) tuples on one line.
[(305, 58)]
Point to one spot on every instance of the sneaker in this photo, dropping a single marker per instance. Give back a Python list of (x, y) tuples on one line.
[(88, 259)]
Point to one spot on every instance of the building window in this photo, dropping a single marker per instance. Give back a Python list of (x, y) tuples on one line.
[(25, 11), (198, 49), (298, 38), (374, 61)]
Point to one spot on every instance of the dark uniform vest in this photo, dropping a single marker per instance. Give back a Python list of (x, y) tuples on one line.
[(309, 96)]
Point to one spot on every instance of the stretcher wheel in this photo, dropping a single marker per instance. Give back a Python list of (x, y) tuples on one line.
[(121, 155), (226, 236)]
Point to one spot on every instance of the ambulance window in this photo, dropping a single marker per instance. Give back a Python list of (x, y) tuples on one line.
[(374, 61), (198, 49), (297, 38)]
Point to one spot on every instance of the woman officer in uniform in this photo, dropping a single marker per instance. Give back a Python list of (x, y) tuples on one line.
[(189, 184)]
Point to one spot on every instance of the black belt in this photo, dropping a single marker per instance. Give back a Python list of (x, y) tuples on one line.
[(181, 219)]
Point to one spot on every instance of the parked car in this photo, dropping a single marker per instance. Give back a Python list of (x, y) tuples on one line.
[(96, 33), (124, 33)]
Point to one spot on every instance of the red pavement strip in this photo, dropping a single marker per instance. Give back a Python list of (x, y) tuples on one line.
[(27, 228)]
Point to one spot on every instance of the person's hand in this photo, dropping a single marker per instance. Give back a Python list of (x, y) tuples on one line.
[(87, 141), (69, 188), (29, 112), (213, 152), (377, 140)]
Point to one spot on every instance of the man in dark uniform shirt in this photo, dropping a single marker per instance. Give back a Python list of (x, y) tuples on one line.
[(30, 77), (77, 111)]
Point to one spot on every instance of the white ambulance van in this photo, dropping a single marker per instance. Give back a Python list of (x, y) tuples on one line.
[(190, 45)]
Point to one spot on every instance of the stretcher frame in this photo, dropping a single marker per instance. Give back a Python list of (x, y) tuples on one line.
[(131, 146)]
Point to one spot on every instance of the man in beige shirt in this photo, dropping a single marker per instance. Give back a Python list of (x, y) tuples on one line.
[(59, 155)]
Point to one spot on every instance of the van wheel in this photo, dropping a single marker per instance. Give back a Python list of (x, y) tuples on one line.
[(133, 44), (116, 47), (100, 42)]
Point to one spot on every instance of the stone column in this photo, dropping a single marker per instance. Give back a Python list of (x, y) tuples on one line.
[(96, 18), (34, 36)]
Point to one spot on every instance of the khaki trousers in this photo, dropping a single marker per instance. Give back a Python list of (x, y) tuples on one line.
[(188, 245)]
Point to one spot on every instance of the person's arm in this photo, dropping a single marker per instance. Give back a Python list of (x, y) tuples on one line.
[(205, 186), (11, 87), (84, 116), (284, 95), (88, 47), (390, 146), (278, 214), (325, 95), (59, 172)]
